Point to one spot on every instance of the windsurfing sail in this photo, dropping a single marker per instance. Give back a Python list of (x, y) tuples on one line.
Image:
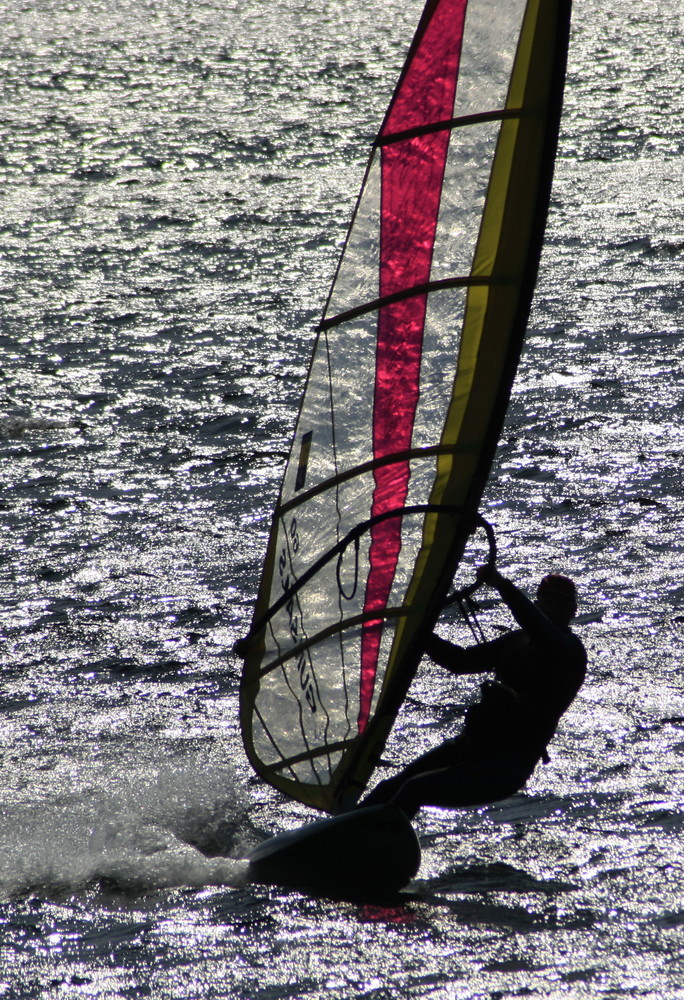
[(406, 394)]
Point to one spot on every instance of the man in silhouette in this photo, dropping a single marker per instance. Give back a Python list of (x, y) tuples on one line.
[(538, 669)]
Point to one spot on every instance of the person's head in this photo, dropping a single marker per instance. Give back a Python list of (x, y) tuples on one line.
[(557, 598)]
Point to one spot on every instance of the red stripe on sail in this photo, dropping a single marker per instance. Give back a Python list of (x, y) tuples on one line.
[(412, 173)]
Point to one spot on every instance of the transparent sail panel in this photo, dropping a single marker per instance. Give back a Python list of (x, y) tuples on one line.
[(312, 457), (290, 726), (490, 37), (308, 533), (466, 176), (332, 443), (441, 343), (357, 280), (338, 407)]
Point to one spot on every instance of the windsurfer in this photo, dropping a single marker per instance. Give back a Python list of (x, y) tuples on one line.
[(538, 670)]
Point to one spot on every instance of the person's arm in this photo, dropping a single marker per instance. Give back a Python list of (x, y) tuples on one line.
[(528, 616), (457, 659)]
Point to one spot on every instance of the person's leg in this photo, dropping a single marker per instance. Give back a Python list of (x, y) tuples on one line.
[(449, 754), (463, 785)]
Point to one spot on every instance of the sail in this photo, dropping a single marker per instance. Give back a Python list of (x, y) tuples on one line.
[(407, 391)]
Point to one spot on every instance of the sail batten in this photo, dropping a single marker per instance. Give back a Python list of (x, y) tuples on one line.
[(429, 451), (450, 123), (407, 390), (345, 624), (305, 757), (415, 291)]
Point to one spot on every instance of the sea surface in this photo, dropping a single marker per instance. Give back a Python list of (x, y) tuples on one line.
[(176, 180)]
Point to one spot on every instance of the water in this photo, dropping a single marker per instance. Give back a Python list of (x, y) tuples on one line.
[(176, 183)]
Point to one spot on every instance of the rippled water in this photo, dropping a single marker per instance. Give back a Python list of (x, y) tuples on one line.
[(176, 182)]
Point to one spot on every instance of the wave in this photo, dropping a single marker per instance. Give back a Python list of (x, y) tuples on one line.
[(182, 825)]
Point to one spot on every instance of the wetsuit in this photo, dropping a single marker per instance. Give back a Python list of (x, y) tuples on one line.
[(538, 670)]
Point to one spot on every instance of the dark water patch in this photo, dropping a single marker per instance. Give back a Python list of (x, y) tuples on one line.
[(56, 503), (227, 423), (198, 617), (496, 877), (121, 320), (214, 832), (666, 248), (112, 664), (51, 575), (513, 965), (534, 472), (9, 705), (670, 919), (519, 919), (244, 910), (105, 607), (253, 149), (581, 975), (657, 335), (93, 174), (669, 820)]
